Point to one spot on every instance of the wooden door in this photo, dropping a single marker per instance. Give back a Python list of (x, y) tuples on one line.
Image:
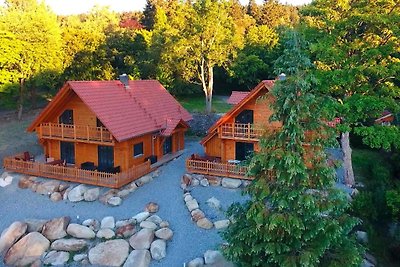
[(105, 158), (167, 147), (67, 150)]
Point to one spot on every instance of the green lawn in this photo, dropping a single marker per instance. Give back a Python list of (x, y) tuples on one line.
[(196, 103)]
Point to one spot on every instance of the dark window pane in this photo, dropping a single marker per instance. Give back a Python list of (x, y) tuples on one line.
[(138, 149), (67, 117)]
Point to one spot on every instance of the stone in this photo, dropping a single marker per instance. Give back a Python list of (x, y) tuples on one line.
[(5, 179), (164, 233), (92, 224), (107, 195), (197, 262), (192, 204), (56, 228), (114, 201), (142, 239), (80, 257), (197, 214), (47, 188), (123, 193), (214, 180), (11, 234), (151, 207), (76, 194), (138, 258), (131, 187), (213, 256), (204, 182), (164, 224), (231, 183), (195, 182), (35, 225), (109, 253), (186, 179), (158, 249), (91, 194), (144, 180), (108, 222), (105, 233), (204, 223), (56, 258), (27, 250), (24, 182), (148, 225), (56, 196), (34, 186), (199, 177), (126, 230), (140, 217), (155, 219), (80, 231), (66, 192), (121, 223), (70, 244), (63, 187), (221, 224), (188, 198), (362, 236), (214, 203)]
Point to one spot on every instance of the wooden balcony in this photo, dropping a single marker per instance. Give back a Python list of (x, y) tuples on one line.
[(77, 175), (217, 169), (240, 131), (75, 133)]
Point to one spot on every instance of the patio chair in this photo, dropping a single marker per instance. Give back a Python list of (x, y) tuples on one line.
[(28, 157)]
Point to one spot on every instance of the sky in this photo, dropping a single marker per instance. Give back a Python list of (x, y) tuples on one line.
[(66, 7)]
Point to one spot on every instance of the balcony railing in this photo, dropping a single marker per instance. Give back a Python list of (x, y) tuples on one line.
[(216, 169), (77, 175), (77, 133), (241, 131)]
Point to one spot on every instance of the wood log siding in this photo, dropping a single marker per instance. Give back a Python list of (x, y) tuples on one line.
[(77, 133), (72, 174), (217, 169)]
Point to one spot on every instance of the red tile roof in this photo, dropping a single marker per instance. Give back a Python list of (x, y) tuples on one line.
[(142, 108), (236, 97), (170, 126)]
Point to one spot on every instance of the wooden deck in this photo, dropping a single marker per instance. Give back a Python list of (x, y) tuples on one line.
[(77, 175), (75, 133), (240, 131), (217, 169)]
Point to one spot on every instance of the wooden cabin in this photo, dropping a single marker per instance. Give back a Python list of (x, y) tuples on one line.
[(109, 127), (235, 135)]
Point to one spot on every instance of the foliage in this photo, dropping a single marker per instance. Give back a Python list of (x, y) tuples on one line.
[(295, 217)]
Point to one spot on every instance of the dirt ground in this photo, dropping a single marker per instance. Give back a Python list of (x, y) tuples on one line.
[(13, 135)]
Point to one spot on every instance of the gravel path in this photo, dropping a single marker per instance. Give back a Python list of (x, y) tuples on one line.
[(188, 241)]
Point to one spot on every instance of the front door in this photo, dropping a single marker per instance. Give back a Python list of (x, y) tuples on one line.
[(67, 152), (243, 150), (167, 147), (105, 158)]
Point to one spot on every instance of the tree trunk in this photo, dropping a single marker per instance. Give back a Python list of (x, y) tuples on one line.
[(209, 93), (347, 164), (21, 97), (33, 97)]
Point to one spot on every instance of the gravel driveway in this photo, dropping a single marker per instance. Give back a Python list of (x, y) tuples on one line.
[(188, 241)]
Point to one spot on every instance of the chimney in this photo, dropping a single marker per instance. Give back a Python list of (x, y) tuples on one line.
[(282, 76), (124, 79)]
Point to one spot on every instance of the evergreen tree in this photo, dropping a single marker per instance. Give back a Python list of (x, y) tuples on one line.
[(295, 215)]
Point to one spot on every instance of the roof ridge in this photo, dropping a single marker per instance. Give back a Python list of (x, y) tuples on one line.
[(144, 109)]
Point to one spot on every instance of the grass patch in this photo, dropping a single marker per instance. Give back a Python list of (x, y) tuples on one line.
[(196, 103)]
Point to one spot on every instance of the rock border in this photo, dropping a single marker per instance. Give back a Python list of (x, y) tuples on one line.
[(57, 190), (132, 242), (210, 258)]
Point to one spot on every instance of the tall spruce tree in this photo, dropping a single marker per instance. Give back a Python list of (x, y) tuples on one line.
[(295, 215)]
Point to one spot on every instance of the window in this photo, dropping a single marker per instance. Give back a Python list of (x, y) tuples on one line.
[(67, 117), (138, 150), (246, 116)]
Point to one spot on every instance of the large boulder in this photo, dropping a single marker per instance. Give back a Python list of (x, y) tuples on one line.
[(56, 228), (126, 230), (27, 250), (92, 224), (77, 193), (148, 225), (56, 258), (70, 244), (144, 180), (197, 262), (221, 224), (164, 233), (47, 188), (91, 194), (10, 235), (114, 201), (197, 214), (138, 258), (35, 225), (105, 233), (5, 179), (192, 204), (109, 253), (142, 239), (108, 222), (56, 196), (205, 223), (215, 257), (231, 183), (158, 249), (80, 231)]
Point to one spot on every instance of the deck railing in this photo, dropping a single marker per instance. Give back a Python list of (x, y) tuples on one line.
[(241, 131), (77, 133), (217, 169), (77, 175)]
